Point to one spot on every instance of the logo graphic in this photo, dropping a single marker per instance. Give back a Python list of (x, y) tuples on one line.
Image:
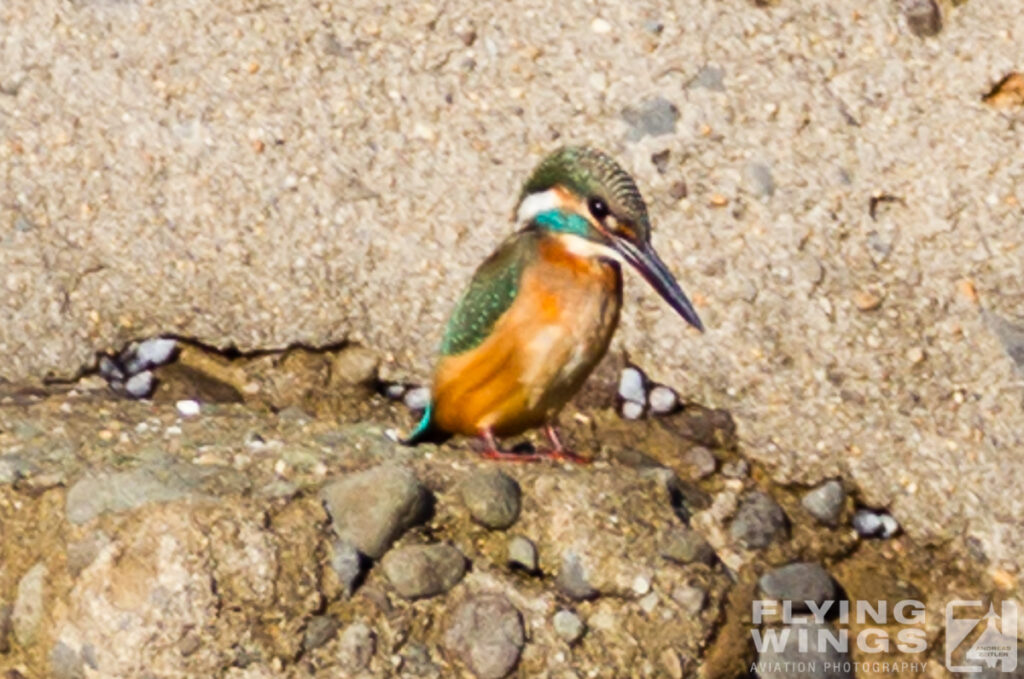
[(995, 646)]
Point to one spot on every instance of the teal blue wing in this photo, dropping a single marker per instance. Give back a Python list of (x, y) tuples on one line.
[(490, 294)]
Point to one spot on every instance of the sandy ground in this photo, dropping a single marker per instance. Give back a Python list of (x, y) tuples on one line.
[(255, 174)]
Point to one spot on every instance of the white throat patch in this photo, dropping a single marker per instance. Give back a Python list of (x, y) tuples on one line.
[(537, 203), (581, 247)]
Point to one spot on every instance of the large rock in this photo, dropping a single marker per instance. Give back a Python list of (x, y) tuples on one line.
[(848, 303), (372, 508)]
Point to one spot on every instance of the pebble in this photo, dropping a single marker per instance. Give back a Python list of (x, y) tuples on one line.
[(632, 385), (871, 524), (394, 391), (799, 583), (152, 353), (28, 605), (710, 78), (652, 118), (662, 400), (568, 626), (357, 646), (758, 521), (492, 498), (319, 630), (140, 385), (760, 178), (65, 663), (187, 407), (347, 564), (600, 26), (737, 469), (923, 17), (825, 503), (685, 545), (371, 509), (631, 410), (522, 553), (817, 659), (417, 398), (700, 461), (420, 571), (486, 632), (641, 585), (649, 603), (690, 598), (572, 579)]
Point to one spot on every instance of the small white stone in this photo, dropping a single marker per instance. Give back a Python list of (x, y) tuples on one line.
[(600, 26), (394, 391), (649, 603), (156, 351), (139, 385), (417, 398), (187, 407), (662, 399), (641, 585), (631, 385), (632, 410), (890, 526)]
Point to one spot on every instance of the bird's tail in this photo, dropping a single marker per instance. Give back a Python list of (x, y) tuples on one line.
[(427, 431)]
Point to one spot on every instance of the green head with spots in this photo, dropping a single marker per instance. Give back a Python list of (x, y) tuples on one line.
[(582, 194)]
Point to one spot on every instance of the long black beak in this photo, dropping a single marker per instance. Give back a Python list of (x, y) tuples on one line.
[(645, 260)]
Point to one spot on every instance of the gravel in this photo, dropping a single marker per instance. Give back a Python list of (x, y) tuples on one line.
[(685, 545), (758, 522), (522, 553), (420, 571), (357, 646), (825, 503), (662, 400), (568, 626), (632, 385), (486, 632), (492, 498), (371, 509), (799, 583)]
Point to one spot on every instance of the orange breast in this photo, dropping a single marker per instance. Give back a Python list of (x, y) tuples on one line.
[(539, 352)]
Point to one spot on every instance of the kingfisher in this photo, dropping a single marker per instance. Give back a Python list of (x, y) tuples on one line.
[(540, 311)]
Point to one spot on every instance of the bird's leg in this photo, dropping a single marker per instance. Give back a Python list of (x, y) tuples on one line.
[(558, 451), (491, 450)]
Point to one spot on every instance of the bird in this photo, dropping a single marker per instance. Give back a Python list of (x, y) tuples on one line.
[(539, 313)]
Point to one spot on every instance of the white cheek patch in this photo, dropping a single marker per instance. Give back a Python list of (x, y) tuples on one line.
[(581, 247), (537, 203)]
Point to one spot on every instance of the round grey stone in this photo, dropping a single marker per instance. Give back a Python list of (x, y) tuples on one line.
[(685, 545), (486, 632), (760, 178), (758, 521), (799, 583), (700, 462), (522, 552), (572, 579), (825, 503), (420, 571), (371, 509), (417, 398), (319, 630), (568, 626), (492, 498)]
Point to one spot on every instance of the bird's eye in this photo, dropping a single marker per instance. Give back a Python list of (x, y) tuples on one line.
[(598, 208)]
